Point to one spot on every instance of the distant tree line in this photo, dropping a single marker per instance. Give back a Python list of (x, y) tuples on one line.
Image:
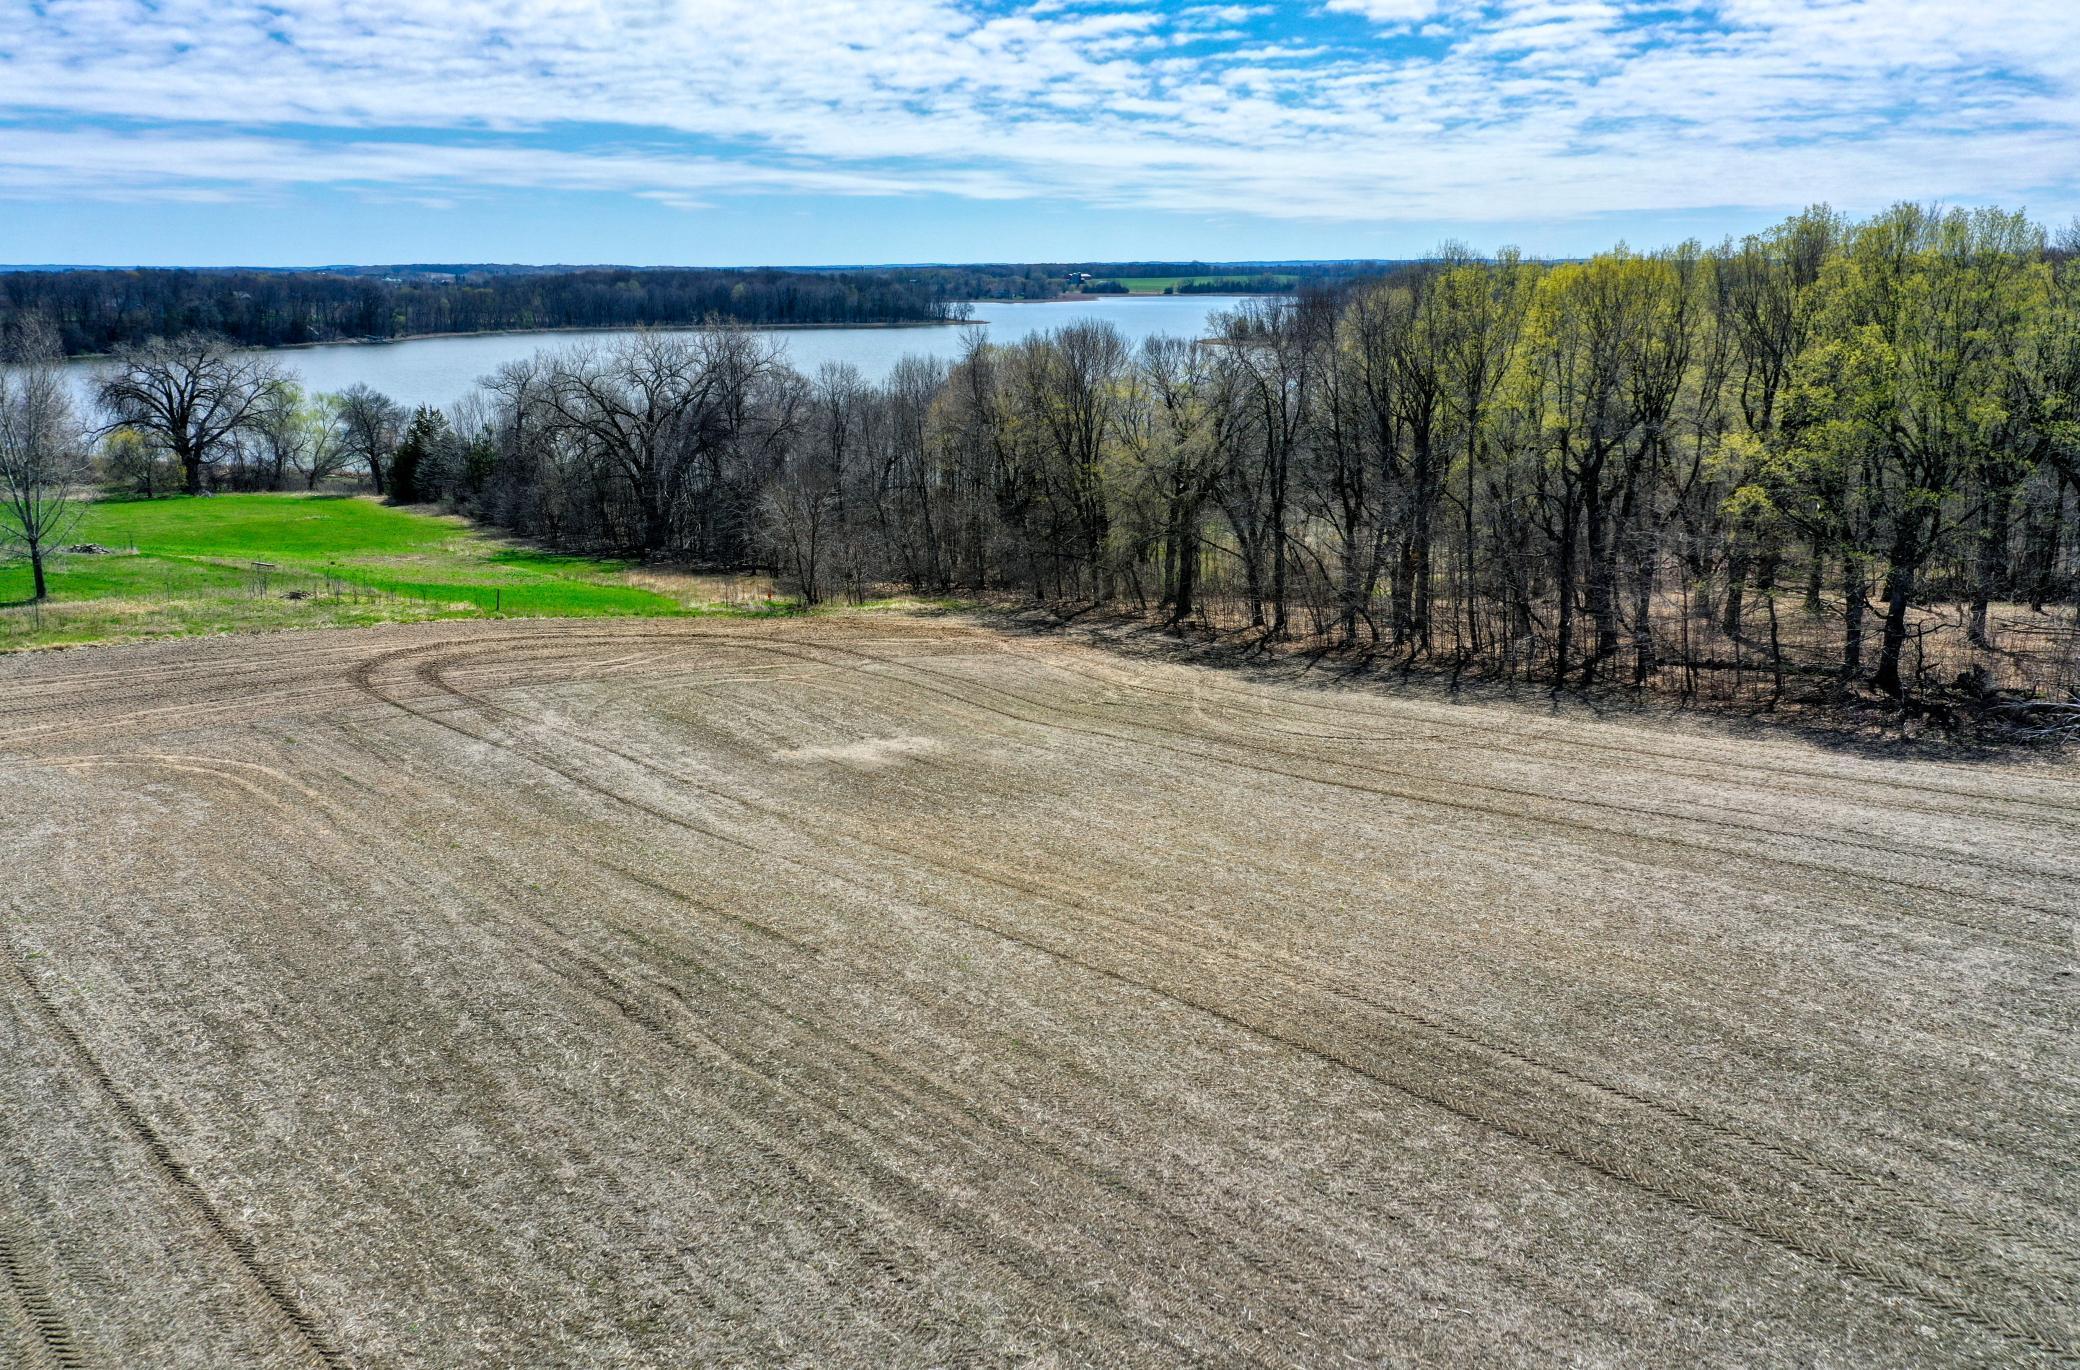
[(94, 311), (1260, 284), (101, 311), (1839, 453), (1310, 273)]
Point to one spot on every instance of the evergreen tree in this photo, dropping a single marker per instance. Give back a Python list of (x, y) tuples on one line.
[(416, 471)]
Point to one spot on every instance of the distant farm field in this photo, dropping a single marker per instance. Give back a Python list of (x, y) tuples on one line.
[(186, 566), (1156, 285), (894, 990)]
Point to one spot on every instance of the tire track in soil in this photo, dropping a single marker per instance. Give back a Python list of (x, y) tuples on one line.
[(2061, 1257), (431, 676), (1606, 836), (589, 980), (265, 1289), (2060, 821), (736, 640), (1305, 979), (54, 1345), (1539, 796), (554, 951), (1613, 835), (1820, 873), (563, 957), (1897, 1279), (925, 1092), (909, 1085), (1956, 921), (1834, 893), (291, 679), (2066, 811)]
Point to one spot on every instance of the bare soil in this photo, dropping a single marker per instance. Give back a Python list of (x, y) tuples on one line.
[(894, 990)]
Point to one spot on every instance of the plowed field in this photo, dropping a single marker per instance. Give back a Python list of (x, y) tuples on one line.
[(890, 991)]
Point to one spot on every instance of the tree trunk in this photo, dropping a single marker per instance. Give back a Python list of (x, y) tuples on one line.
[(1471, 561), (1402, 592), (1603, 600), (1990, 566), (1422, 590), (1187, 555), (1278, 579), (1644, 658), (1766, 586), (1252, 573), (1899, 588), (1855, 595), (1421, 587), (1736, 586), (1351, 592), (652, 506), (1564, 635)]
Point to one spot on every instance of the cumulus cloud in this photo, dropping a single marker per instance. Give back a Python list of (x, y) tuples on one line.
[(1502, 110)]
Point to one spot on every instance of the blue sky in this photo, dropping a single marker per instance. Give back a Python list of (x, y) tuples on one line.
[(795, 131)]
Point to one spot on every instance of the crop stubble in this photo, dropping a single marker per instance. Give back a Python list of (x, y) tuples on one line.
[(888, 990)]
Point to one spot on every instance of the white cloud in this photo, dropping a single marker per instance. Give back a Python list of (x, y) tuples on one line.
[(1387, 11), (1513, 109)]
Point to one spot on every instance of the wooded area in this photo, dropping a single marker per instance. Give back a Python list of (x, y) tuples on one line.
[(94, 311), (100, 311), (1833, 451), (1831, 454)]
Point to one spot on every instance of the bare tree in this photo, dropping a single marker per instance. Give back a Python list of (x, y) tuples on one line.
[(371, 424), (666, 413), (800, 518), (836, 399), (1178, 441), (1073, 387), (1270, 350), (193, 393), (42, 451)]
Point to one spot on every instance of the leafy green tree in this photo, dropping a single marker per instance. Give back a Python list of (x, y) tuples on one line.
[(1908, 385)]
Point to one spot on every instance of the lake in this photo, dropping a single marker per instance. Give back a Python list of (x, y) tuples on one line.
[(439, 371)]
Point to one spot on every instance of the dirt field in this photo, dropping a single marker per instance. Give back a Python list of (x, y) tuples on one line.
[(892, 991)]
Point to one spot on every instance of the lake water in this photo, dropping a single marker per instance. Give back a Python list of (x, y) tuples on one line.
[(438, 371)]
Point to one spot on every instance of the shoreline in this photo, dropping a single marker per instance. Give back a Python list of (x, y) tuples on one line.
[(558, 328), (1074, 298)]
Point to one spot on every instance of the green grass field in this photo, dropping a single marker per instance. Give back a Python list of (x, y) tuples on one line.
[(1156, 285), (245, 563)]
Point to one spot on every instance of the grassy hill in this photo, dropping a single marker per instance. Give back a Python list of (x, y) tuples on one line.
[(241, 563)]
